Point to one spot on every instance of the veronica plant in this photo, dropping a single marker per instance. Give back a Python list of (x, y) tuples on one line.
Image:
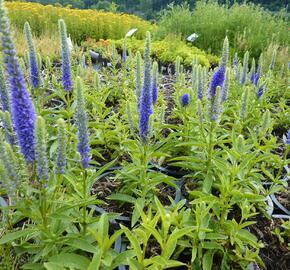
[(219, 76), (243, 79), (65, 53), (155, 82), (146, 95), (22, 109), (33, 63), (138, 80)]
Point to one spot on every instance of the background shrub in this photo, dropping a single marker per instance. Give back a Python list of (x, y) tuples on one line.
[(248, 27), (81, 24)]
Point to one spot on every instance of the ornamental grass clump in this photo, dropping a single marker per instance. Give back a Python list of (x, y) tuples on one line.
[(33, 59), (22, 109), (146, 95), (66, 55)]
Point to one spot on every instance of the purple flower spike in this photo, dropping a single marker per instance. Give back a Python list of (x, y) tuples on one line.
[(217, 80), (261, 91), (146, 95), (287, 140), (124, 51), (65, 52), (82, 124), (22, 109), (155, 83), (185, 100), (34, 69)]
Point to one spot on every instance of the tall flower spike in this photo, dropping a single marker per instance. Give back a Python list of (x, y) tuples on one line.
[(245, 101), (129, 115), (245, 68), (124, 51), (274, 55), (217, 80), (155, 82), (40, 149), (253, 71), (4, 93), (235, 60), (65, 53), (226, 86), (225, 55), (215, 109), (138, 80), (33, 61), (61, 146), (194, 75), (82, 123), (219, 76), (201, 83), (8, 160), (287, 138), (266, 122), (22, 109), (97, 81), (261, 90), (185, 100), (259, 70), (8, 127), (146, 95)]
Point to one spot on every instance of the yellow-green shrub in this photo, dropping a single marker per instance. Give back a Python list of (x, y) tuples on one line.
[(165, 50), (81, 24)]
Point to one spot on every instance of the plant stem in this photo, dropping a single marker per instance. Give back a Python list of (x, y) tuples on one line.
[(68, 102), (84, 198), (210, 146), (282, 165), (144, 164)]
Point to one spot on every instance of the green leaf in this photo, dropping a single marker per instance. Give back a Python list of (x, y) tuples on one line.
[(9, 237), (96, 261), (33, 266), (207, 260), (71, 260), (53, 266), (155, 233), (134, 242), (123, 258), (82, 244), (122, 197), (103, 228), (212, 245), (138, 207)]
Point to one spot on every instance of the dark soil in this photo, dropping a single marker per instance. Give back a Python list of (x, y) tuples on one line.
[(284, 198), (103, 188), (275, 255)]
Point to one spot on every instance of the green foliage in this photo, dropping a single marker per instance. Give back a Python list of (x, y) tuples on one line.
[(247, 26), (80, 217), (165, 51)]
